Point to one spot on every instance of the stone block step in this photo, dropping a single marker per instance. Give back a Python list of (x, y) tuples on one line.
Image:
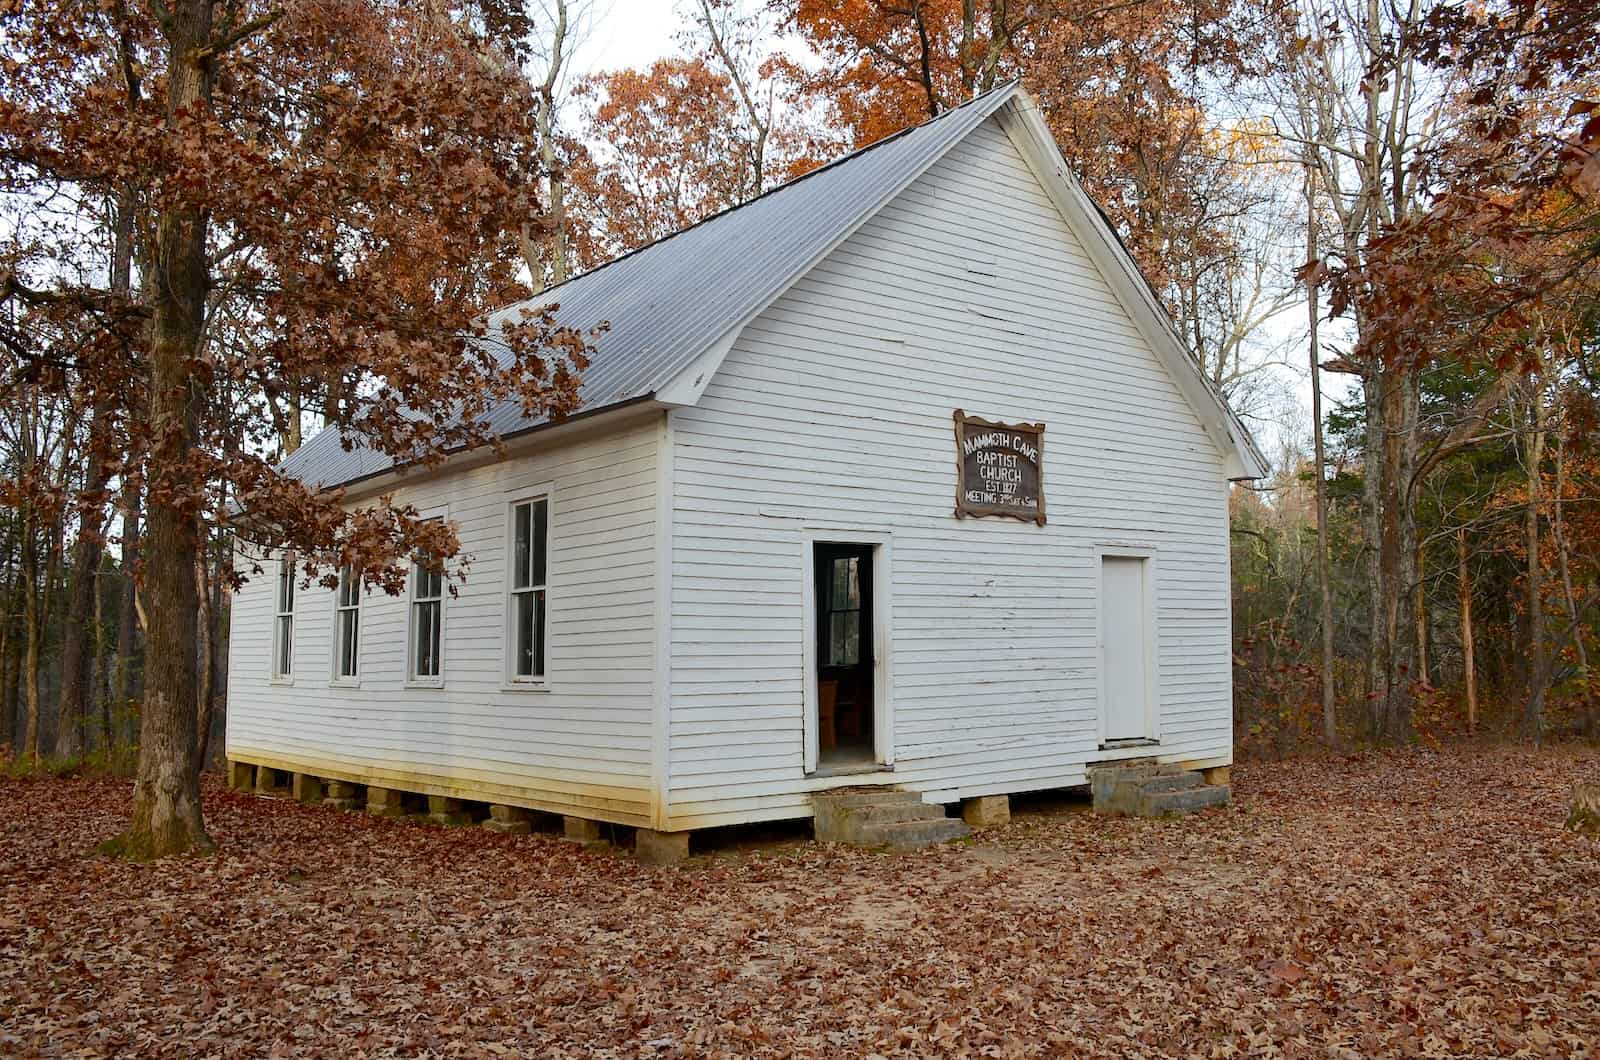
[(1183, 781), (850, 799), (914, 835), (1172, 803), (882, 813), (1148, 790)]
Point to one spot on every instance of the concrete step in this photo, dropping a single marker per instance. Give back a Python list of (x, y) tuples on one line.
[(914, 835), (881, 813), (1174, 803), (1183, 781), (848, 799), (899, 820), (1147, 790)]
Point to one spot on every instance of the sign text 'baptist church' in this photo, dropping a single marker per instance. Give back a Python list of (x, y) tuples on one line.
[(999, 468)]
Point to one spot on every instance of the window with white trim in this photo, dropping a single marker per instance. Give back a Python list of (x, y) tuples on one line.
[(529, 551), (347, 626), (283, 620), (427, 619)]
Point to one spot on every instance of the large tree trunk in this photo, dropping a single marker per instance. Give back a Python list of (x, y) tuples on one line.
[(166, 797)]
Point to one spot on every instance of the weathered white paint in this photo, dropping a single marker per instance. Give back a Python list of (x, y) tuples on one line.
[(1127, 658), (583, 742), (833, 410), (681, 686)]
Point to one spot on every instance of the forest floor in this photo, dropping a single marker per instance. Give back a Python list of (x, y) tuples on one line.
[(1417, 903)]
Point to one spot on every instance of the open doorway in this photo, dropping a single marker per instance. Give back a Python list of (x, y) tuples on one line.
[(843, 577)]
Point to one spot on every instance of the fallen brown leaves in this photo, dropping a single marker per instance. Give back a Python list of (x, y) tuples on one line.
[(1415, 904)]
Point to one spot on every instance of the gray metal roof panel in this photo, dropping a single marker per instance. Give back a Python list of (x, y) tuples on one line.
[(669, 301)]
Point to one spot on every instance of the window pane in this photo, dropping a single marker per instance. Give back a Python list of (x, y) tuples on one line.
[(520, 546), (538, 626), (844, 638), (524, 605), (285, 645), (541, 519), (439, 644), (426, 622), (429, 583), (349, 633), (530, 633)]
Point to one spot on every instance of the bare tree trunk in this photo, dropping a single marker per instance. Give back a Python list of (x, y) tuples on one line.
[(166, 815), (1538, 665), (10, 661), (102, 660), (760, 126), (72, 715), (78, 624), (32, 619), (1564, 558), (205, 660), (1330, 727), (1395, 587), (1372, 532), (1469, 672), (294, 432), (123, 687), (1421, 609), (554, 251)]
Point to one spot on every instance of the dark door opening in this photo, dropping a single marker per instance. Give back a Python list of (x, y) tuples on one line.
[(845, 677)]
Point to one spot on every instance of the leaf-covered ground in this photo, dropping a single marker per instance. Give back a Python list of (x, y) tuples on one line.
[(1415, 904)]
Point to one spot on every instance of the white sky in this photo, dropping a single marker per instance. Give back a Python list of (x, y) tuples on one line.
[(627, 33)]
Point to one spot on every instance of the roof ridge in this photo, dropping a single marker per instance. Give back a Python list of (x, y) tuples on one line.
[(848, 156)]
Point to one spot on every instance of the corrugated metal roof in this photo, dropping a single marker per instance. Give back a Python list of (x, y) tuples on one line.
[(668, 302)]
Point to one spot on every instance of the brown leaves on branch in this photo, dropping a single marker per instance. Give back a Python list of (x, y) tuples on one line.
[(1505, 262), (363, 203)]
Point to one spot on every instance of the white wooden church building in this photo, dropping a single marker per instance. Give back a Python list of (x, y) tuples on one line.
[(896, 475)]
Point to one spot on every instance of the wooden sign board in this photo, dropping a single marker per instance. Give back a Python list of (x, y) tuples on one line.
[(999, 469)]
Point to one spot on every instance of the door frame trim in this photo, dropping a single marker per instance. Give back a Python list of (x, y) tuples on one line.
[(882, 544), (1152, 643)]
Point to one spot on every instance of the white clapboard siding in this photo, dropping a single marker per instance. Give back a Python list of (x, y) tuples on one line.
[(833, 409), (582, 747)]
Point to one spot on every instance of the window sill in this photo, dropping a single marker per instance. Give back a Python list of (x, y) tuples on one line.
[(525, 686), (283, 679), (344, 682), (425, 682)]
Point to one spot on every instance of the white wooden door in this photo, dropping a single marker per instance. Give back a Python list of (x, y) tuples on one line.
[(1124, 649)]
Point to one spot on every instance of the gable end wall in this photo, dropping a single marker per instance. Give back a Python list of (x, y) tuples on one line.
[(833, 409)]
